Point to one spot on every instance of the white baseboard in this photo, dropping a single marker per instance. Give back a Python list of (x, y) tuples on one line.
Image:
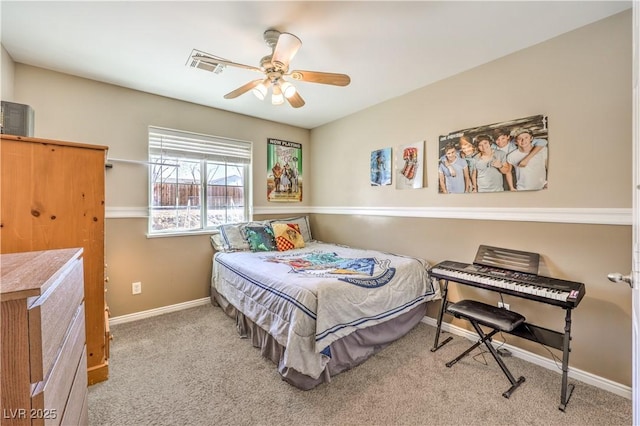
[(158, 311), (574, 373)]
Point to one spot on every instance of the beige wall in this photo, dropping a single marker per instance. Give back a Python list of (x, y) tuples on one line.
[(172, 269), (76, 109), (585, 253), (7, 70), (582, 81)]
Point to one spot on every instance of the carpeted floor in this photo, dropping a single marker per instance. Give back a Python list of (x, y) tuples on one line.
[(191, 368)]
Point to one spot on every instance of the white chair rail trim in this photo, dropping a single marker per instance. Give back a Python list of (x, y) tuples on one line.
[(598, 216), (595, 216)]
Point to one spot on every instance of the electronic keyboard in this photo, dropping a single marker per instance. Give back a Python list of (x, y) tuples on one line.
[(515, 273), (534, 287)]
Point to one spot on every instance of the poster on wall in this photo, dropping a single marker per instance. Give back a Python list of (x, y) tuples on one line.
[(284, 171), (507, 156), (380, 167), (410, 166)]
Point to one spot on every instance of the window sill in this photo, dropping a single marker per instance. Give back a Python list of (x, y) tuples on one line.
[(182, 233)]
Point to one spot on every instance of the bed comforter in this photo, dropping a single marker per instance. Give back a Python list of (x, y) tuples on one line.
[(308, 298)]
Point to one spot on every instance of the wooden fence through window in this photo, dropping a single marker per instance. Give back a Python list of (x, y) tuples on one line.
[(172, 194)]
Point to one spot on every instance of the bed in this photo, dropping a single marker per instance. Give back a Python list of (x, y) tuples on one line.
[(313, 308)]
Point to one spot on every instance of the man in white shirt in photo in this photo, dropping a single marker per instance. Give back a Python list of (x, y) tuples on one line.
[(533, 174)]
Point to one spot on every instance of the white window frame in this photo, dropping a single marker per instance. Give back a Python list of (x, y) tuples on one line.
[(177, 145)]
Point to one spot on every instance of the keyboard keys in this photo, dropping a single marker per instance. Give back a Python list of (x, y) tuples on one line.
[(525, 283)]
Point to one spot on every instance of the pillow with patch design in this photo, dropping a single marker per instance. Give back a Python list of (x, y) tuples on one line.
[(260, 238), (288, 236), (302, 222)]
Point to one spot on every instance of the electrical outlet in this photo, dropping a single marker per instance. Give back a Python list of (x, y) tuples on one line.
[(503, 305), (136, 288)]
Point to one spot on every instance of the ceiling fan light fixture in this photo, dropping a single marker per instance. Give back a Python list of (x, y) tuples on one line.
[(277, 98), (260, 91), (288, 89), (273, 68), (285, 49)]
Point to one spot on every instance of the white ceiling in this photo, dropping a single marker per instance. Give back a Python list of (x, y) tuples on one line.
[(388, 48)]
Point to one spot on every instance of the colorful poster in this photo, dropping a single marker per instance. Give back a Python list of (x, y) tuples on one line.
[(284, 171), (380, 166), (410, 166), (506, 156)]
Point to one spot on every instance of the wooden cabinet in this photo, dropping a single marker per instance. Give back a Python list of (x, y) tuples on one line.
[(43, 364), (52, 197)]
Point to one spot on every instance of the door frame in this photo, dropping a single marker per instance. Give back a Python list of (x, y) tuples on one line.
[(635, 292)]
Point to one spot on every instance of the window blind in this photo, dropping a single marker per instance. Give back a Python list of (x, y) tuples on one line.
[(175, 143)]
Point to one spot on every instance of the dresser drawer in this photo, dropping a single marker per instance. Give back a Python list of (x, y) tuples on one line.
[(49, 317), (51, 394), (84, 414), (73, 412)]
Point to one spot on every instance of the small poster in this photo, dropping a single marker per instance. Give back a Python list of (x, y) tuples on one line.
[(410, 166), (380, 166), (284, 171)]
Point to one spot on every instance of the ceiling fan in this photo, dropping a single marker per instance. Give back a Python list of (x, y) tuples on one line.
[(275, 68)]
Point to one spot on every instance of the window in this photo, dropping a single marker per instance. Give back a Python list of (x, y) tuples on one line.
[(196, 181)]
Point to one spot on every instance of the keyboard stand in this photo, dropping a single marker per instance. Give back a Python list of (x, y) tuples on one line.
[(443, 309), (556, 340), (551, 338)]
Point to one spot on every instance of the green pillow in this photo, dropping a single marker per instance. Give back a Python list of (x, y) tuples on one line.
[(260, 238)]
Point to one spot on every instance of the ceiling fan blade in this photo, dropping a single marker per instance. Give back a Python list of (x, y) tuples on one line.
[(296, 100), (243, 89), (321, 77), (215, 61), (285, 49)]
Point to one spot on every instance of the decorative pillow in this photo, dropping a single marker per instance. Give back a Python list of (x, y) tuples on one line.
[(260, 238), (303, 223), (216, 241), (232, 238), (287, 236)]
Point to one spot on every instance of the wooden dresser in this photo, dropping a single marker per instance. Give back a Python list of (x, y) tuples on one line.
[(43, 366), (52, 197)]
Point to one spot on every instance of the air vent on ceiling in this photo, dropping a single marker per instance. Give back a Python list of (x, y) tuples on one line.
[(193, 62)]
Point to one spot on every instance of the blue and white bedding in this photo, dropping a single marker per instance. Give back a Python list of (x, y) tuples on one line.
[(307, 298)]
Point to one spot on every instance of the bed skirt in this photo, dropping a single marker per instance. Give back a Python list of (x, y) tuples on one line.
[(346, 353)]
